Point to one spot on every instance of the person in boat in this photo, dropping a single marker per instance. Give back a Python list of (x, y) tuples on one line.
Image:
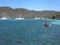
[(47, 25)]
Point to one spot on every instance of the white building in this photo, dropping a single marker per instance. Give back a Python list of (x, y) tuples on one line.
[(3, 18), (36, 18), (18, 18)]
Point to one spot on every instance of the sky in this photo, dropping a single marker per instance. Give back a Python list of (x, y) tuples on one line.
[(38, 5)]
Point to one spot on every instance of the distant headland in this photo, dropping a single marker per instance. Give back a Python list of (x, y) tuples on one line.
[(25, 13)]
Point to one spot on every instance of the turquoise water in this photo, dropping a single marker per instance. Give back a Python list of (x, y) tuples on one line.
[(29, 32), (56, 22)]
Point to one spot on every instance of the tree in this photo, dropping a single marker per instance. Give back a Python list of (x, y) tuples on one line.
[(53, 17)]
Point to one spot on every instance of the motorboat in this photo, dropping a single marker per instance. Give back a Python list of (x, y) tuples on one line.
[(47, 25)]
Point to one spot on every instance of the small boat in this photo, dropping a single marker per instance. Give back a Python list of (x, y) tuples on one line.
[(47, 25)]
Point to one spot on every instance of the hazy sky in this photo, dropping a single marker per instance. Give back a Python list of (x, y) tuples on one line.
[(32, 4)]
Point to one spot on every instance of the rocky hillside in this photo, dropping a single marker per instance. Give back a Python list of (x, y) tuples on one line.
[(10, 12)]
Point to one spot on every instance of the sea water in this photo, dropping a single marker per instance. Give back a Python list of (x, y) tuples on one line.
[(29, 32)]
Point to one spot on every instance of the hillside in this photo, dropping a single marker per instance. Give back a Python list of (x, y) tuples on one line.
[(10, 12)]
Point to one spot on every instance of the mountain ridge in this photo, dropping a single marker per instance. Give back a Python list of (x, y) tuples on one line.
[(26, 13)]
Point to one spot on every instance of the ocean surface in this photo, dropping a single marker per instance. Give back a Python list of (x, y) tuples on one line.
[(29, 32)]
